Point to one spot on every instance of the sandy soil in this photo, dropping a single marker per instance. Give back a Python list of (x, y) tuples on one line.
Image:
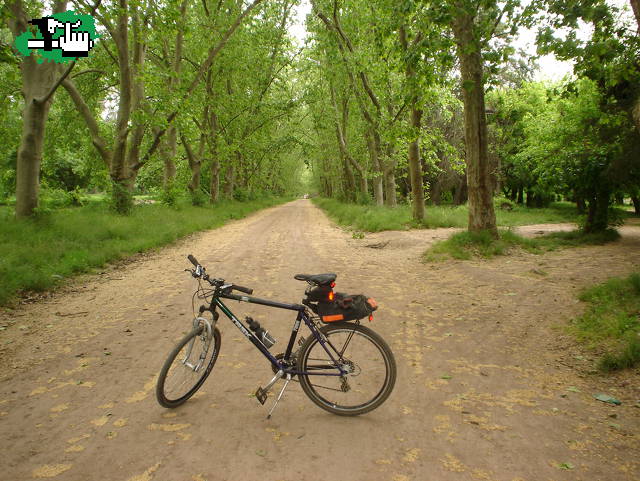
[(489, 386)]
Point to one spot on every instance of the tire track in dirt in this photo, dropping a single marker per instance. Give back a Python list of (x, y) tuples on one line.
[(484, 373)]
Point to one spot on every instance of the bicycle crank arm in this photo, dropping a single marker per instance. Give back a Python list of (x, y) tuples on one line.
[(262, 393)]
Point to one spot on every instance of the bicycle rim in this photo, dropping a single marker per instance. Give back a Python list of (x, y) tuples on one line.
[(187, 367), (366, 357)]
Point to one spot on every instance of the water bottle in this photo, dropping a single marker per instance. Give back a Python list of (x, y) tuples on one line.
[(261, 333)]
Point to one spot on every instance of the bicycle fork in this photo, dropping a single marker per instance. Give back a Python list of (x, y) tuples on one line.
[(262, 393)]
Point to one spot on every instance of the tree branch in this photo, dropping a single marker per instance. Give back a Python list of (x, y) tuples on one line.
[(89, 70), (213, 52), (59, 6), (85, 112)]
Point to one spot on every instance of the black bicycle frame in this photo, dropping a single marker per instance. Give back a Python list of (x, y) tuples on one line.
[(302, 316)]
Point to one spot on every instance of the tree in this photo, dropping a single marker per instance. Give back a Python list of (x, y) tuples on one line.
[(123, 159), (39, 84), (576, 145), (474, 23)]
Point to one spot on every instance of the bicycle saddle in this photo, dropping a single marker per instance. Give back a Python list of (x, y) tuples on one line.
[(317, 279)]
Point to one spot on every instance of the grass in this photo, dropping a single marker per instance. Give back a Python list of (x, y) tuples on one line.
[(465, 245), (611, 322), (36, 254), (370, 218)]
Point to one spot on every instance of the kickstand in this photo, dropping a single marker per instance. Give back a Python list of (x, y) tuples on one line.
[(279, 395)]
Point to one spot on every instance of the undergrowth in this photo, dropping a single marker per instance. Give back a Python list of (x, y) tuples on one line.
[(373, 218), (611, 322), (35, 254), (465, 245)]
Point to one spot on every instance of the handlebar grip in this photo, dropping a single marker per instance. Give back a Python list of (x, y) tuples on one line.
[(246, 290), (193, 260)]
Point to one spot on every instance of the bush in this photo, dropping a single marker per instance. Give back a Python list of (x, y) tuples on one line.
[(611, 323), (55, 199), (198, 198), (59, 243), (120, 199), (170, 195)]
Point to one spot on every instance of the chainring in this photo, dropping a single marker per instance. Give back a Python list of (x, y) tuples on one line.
[(292, 362)]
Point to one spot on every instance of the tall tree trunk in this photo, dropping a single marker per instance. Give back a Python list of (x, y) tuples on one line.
[(168, 153), (138, 104), (120, 171), (389, 170), (373, 144), (214, 187), (342, 121), (36, 84), (635, 6), (636, 203), (230, 179), (195, 163), (598, 210), (361, 89), (481, 212), (415, 167), (170, 149), (39, 82), (580, 204), (462, 192), (415, 163), (390, 188), (348, 180)]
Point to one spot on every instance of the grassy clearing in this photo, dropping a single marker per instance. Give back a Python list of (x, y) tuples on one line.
[(611, 322), (36, 254), (370, 218), (466, 245)]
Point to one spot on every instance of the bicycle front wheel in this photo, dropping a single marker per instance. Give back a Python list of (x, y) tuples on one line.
[(367, 359), (187, 367)]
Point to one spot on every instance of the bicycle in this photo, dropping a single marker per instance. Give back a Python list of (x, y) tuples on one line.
[(343, 367)]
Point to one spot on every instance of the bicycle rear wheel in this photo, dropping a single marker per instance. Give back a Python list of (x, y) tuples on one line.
[(187, 367), (368, 360)]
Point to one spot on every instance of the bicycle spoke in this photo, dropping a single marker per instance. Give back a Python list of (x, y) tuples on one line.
[(365, 363), (187, 368)]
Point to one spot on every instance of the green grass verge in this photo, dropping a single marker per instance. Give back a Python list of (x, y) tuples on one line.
[(611, 322), (370, 218), (466, 245), (38, 253)]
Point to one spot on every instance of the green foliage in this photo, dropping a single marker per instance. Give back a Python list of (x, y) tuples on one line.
[(372, 218), (170, 195), (36, 253), (55, 198), (120, 198), (466, 245), (198, 198), (565, 140), (55, 55), (610, 324)]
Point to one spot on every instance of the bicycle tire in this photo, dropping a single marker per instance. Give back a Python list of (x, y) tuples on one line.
[(369, 350), (199, 338)]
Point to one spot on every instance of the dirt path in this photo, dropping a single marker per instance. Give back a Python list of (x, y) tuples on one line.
[(489, 387)]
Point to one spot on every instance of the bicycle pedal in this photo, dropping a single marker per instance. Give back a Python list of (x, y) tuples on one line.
[(261, 395)]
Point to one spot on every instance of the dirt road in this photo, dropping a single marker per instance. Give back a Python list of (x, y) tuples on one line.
[(489, 385)]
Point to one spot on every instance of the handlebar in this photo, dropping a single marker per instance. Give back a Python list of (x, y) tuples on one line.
[(246, 290), (215, 282), (193, 260)]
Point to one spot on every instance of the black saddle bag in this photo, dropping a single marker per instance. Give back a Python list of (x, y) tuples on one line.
[(346, 308)]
